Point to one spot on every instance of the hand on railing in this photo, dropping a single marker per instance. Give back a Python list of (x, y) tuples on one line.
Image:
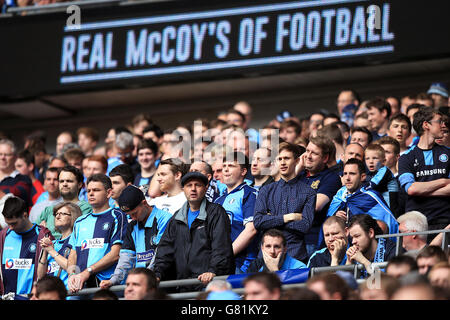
[(206, 277)]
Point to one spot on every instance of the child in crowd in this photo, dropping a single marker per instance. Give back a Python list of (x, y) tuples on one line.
[(379, 177)]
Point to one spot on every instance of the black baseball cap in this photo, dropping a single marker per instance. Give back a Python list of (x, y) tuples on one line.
[(130, 198), (194, 175)]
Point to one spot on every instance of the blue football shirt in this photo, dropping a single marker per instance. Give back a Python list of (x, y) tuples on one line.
[(19, 251), (93, 236)]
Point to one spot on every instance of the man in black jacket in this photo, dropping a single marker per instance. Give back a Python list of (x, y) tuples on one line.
[(197, 239)]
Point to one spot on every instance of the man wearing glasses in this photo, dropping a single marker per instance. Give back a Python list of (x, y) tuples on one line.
[(424, 170)]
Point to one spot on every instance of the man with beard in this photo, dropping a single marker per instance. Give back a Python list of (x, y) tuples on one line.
[(365, 248), (70, 183)]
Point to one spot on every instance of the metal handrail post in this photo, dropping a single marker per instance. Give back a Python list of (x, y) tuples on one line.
[(445, 242), (398, 245)]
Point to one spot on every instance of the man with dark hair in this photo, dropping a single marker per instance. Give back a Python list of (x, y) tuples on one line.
[(331, 118), (140, 282), (96, 238), (354, 199), (274, 255), (366, 249), (262, 286), (104, 294), (361, 135), (121, 177), (399, 128), (41, 158), (51, 184), (401, 265), (75, 157), (25, 165), (197, 240), (315, 122), (154, 133), (290, 130), (142, 236), (239, 203), (168, 182), (50, 288), (391, 148), (87, 140), (20, 248), (347, 103), (139, 122), (70, 183), (424, 171), (147, 152), (394, 102), (329, 286), (287, 204), (261, 167), (236, 117), (428, 257), (379, 111)]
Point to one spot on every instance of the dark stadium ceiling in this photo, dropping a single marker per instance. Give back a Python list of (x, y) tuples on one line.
[(400, 78)]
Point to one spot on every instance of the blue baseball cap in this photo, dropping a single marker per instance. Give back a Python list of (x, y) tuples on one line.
[(438, 88)]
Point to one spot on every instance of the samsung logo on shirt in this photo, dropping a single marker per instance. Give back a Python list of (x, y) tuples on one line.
[(16, 264), (430, 172)]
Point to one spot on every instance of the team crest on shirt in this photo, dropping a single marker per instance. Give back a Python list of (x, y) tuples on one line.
[(416, 163), (231, 201), (443, 158), (105, 226), (315, 184), (32, 247)]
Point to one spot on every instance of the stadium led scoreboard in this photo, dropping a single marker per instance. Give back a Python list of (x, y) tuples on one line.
[(179, 41)]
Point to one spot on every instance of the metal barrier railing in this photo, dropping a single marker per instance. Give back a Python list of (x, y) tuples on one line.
[(399, 237), (354, 268)]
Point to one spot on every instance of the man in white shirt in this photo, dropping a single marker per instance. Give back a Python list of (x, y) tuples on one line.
[(168, 176)]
